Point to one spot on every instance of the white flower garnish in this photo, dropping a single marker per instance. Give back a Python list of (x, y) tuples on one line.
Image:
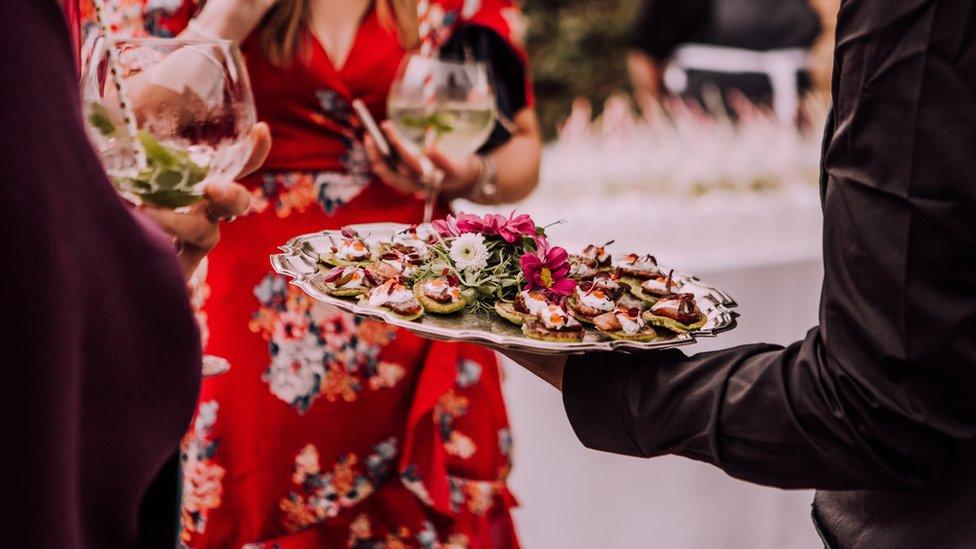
[(469, 252)]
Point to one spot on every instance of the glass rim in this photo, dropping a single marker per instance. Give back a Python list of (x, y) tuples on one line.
[(462, 63), (163, 41)]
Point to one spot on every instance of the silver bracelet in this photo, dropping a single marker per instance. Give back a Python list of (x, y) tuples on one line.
[(486, 186)]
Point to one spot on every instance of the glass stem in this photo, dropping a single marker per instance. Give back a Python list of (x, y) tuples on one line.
[(433, 191), (433, 177)]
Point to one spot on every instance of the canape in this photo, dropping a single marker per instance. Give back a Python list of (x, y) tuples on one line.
[(410, 238), (609, 283), (640, 267), (348, 281), (591, 261), (629, 301), (652, 289), (440, 295), (588, 302), (350, 250), (395, 262), (678, 313), (396, 297), (553, 324), (526, 305), (625, 324)]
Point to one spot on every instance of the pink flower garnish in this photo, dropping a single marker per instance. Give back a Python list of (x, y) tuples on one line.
[(470, 223), (446, 227), (511, 229), (548, 269), (455, 226)]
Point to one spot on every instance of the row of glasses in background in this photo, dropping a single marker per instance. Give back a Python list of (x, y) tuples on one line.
[(168, 117), (442, 104)]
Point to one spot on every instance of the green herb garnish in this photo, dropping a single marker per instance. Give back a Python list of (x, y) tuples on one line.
[(169, 177), (101, 120), (440, 122)]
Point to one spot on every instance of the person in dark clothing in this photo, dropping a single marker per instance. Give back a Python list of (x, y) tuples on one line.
[(876, 407), (102, 354), (756, 47)]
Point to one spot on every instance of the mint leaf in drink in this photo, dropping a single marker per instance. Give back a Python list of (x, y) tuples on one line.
[(167, 179), (440, 122), (170, 177), (157, 154), (170, 199), (99, 118)]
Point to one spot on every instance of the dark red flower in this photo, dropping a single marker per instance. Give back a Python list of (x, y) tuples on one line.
[(548, 270)]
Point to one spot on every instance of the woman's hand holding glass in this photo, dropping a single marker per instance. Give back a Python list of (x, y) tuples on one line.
[(411, 174), (197, 231)]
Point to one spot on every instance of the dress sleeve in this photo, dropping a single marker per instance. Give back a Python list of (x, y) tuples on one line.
[(664, 24), (880, 395), (136, 17)]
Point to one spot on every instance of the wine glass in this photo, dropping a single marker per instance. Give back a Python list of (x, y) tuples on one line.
[(173, 115), (445, 104), (167, 117)]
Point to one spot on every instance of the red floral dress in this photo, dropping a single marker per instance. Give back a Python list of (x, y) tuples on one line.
[(328, 430)]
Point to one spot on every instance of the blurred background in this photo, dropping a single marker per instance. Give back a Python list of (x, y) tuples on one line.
[(714, 182)]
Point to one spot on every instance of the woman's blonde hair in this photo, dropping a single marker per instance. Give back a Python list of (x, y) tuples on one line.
[(281, 28)]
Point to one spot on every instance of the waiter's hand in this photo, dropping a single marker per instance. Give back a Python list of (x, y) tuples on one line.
[(196, 233), (548, 367)]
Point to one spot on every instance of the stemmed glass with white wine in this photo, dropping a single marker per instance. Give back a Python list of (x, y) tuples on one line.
[(447, 105), (167, 117)]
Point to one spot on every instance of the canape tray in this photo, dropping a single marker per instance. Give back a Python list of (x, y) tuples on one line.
[(299, 260)]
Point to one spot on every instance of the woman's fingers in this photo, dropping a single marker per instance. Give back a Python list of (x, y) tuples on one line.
[(442, 162), (398, 181), (195, 229), (227, 200), (376, 160), (408, 157), (261, 135), (197, 232), (459, 177)]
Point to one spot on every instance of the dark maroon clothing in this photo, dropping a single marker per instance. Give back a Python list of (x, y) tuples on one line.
[(101, 354), (877, 406)]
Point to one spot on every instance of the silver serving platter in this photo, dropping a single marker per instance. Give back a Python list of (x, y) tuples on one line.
[(299, 261)]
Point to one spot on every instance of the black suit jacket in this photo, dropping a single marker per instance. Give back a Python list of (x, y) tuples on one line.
[(877, 406)]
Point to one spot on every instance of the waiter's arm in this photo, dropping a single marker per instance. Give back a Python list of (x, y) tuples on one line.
[(881, 394)]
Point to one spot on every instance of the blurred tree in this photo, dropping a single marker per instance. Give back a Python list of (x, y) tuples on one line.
[(578, 48)]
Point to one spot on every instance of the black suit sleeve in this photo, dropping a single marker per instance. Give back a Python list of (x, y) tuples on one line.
[(881, 394)]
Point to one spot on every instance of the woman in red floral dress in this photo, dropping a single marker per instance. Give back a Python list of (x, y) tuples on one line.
[(328, 430)]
